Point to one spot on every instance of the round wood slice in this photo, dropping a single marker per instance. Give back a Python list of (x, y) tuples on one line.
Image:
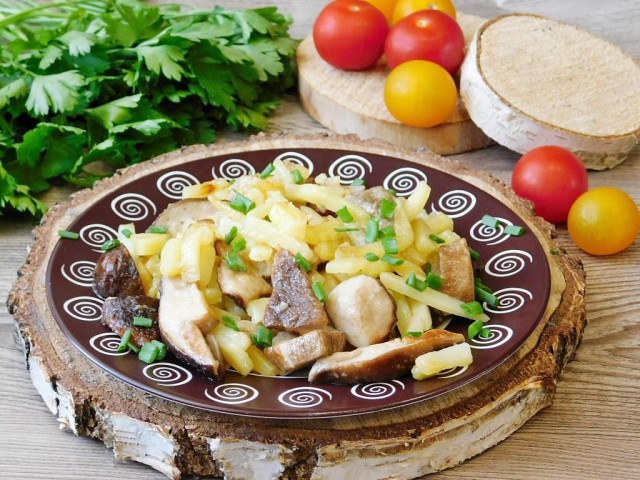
[(402, 443), (529, 81), (352, 103)]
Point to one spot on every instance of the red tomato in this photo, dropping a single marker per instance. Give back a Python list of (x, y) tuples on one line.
[(350, 34), (552, 178), (426, 35)]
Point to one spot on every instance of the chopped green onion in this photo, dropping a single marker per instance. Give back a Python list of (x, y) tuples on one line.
[(142, 322), (235, 262), (434, 281), (490, 221), (474, 329), (242, 204), (231, 181), (371, 234), (478, 284), (227, 321), (392, 192), (390, 245), (297, 176), (358, 182), (553, 252), (238, 245), (427, 268), (319, 292), (228, 238), (395, 262), (436, 238), (485, 333), (110, 244), (514, 230), (133, 347), (148, 353), (303, 262), (68, 234), (268, 170), (345, 215), (126, 232), (157, 229), (387, 232), (471, 308), (162, 349), (387, 207), (415, 283), (413, 334), (487, 297), (372, 257), (124, 342), (474, 255), (346, 229), (263, 337)]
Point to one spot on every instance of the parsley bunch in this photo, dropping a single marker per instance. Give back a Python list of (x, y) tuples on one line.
[(118, 81)]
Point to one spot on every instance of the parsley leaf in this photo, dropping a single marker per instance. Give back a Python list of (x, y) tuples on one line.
[(121, 81)]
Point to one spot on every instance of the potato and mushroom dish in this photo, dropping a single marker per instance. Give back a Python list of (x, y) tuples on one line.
[(277, 271)]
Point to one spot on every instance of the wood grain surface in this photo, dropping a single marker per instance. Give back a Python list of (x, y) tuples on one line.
[(590, 432)]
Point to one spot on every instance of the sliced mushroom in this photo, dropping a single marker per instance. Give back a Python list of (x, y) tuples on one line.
[(116, 275), (301, 351), (118, 313), (363, 309), (382, 361), (184, 318), (456, 270), (293, 307), (179, 215), (370, 199), (243, 287)]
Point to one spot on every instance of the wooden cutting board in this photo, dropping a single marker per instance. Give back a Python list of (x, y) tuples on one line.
[(405, 442), (352, 103)]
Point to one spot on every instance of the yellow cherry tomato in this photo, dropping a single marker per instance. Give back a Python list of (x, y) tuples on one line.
[(404, 8), (420, 93), (603, 221), (385, 6)]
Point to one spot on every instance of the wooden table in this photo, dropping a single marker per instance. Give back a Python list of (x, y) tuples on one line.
[(590, 432)]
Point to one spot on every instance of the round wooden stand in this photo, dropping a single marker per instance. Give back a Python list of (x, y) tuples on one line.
[(352, 103), (402, 443)]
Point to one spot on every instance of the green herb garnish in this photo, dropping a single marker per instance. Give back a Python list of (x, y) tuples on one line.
[(142, 322), (68, 234), (345, 215)]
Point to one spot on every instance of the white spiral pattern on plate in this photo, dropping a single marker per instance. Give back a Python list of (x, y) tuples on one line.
[(232, 393), (85, 308), (489, 235), (404, 180), (80, 272), (133, 207), (107, 344), (167, 374), (96, 234), (297, 158), (507, 263), (303, 397), (350, 168), (376, 391), (452, 372), (510, 299), (457, 203), (171, 184), (499, 335), (233, 168)]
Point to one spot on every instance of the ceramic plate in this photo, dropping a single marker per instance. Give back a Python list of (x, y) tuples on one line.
[(514, 267)]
